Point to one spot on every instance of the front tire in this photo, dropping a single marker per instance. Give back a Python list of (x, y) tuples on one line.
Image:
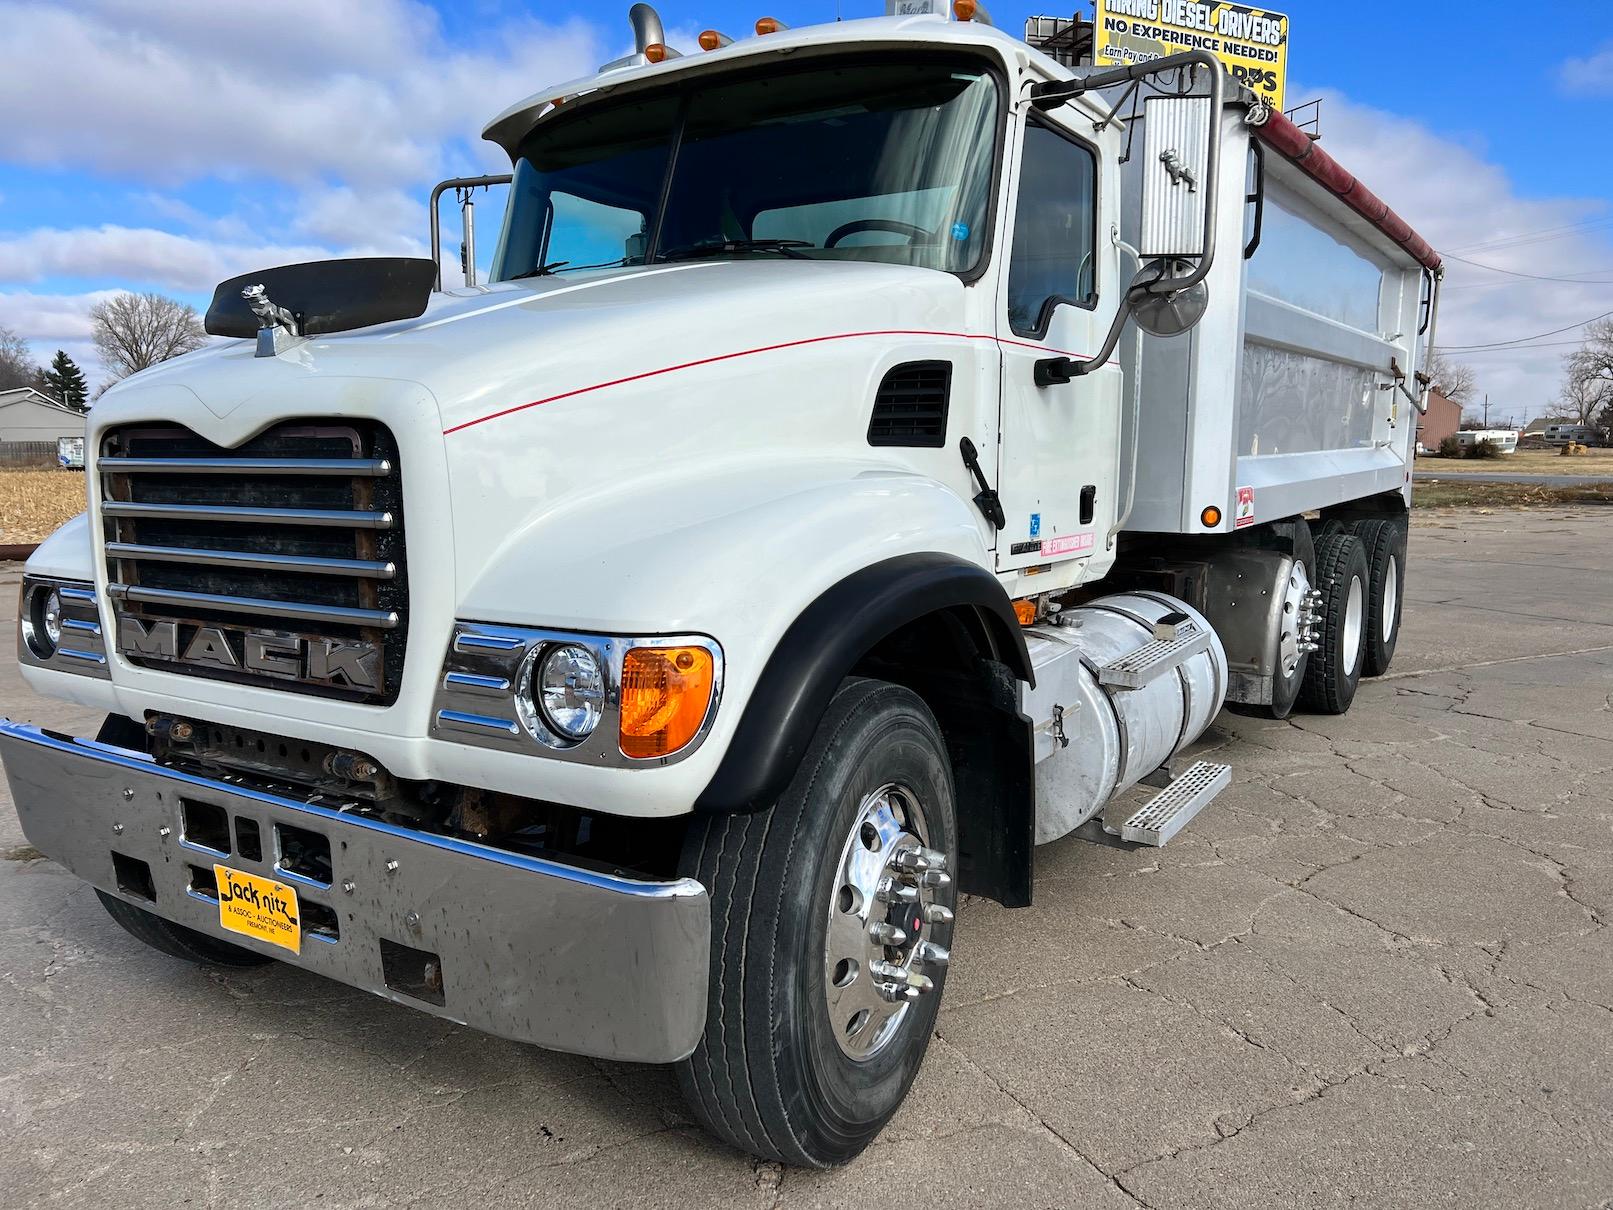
[(176, 940), (804, 1058)]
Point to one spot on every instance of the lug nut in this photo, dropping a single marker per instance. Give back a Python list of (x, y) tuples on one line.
[(937, 913), (935, 955), (893, 993), (887, 934), (935, 878), (901, 976), (891, 891)]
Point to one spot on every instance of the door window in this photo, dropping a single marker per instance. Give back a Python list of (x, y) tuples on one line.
[(1055, 231)]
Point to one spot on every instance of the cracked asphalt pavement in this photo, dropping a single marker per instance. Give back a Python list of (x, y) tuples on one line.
[(1377, 970)]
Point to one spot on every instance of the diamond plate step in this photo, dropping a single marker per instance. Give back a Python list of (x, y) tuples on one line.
[(1169, 811), (1155, 658)]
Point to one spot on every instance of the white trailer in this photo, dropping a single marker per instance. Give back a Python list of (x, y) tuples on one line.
[(877, 449)]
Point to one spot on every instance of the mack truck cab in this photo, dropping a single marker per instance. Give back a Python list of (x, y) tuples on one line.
[(877, 449)]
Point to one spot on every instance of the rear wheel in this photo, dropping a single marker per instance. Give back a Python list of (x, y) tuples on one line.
[(1334, 669), (1290, 638), (831, 913), (1384, 539)]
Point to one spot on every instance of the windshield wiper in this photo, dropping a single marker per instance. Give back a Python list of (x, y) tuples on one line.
[(721, 247), (542, 270)]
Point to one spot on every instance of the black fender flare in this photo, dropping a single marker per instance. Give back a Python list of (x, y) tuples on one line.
[(824, 644)]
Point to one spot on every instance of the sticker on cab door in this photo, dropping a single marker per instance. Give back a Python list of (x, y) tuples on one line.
[(1246, 508), (1067, 545)]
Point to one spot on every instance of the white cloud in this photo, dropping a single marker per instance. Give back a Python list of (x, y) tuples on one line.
[(140, 256), (298, 90), (1456, 198), (1591, 74)]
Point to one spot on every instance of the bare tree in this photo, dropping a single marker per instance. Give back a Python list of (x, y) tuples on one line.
[(1588, 374), (1451, 379), (17, 367), (134, 331)]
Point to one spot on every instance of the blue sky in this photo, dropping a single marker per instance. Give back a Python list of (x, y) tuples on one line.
[(166, 146)]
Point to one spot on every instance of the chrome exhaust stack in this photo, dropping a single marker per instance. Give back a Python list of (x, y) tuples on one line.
[(647, 32)]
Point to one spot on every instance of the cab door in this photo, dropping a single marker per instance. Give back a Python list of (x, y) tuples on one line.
[(1059, 445)]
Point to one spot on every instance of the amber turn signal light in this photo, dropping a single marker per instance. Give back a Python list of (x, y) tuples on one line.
[(1025, 611), (770, 25), (1211, 516), (666, 693), (655, 52), (713, 40), (964, 10)]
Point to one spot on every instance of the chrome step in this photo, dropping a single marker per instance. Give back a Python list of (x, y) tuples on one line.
[(1175, 646), (1169, 811)]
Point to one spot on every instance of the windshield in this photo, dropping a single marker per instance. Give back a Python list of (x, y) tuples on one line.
[(886, 160)]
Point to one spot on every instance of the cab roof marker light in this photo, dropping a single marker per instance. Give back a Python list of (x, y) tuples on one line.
[(769, 25), (970, 10), (713, 39)]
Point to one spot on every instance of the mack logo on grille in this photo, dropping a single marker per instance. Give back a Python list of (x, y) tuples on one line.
[(347, 663)]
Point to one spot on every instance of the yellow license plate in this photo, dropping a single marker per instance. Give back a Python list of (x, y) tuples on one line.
[(258, 907)]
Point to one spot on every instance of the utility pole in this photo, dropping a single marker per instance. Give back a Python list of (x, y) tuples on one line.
[(1486, 409)]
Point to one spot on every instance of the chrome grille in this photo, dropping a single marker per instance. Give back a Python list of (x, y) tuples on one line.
[(296, 534)]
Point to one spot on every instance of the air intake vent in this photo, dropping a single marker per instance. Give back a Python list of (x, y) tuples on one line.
[(911, 407)]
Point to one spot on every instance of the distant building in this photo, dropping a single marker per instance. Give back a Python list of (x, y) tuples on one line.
[(31, 423), (1541, 423), (1442, 420)]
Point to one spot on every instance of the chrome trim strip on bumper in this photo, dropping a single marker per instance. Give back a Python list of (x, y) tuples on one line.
[(384, 619), (526, 947), (335, 517), (366, 569), (347, 468), (478, 724)]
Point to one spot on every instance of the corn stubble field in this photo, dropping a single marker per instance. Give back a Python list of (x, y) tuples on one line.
[(34, 503)]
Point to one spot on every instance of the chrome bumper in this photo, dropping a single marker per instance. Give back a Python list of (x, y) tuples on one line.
[(524, 948)]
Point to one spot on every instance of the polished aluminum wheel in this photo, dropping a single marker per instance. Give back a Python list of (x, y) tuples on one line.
[(1299, 630), (884, 904), (1355, 609), (1391, 598)]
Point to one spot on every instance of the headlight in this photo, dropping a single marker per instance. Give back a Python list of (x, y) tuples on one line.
[(42, 628), (569, 686), (52, 618)]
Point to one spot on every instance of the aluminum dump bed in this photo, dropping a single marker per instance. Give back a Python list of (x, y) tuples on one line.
[(1283, 399)]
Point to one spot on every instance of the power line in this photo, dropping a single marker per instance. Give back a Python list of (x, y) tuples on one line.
[(1576, 281), (1504, 344), (1543, 235), (1547, 344)]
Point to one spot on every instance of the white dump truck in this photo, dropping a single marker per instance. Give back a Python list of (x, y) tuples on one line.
[(877, 449)]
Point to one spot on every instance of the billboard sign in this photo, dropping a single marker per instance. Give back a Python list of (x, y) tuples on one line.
[(1252, 42)]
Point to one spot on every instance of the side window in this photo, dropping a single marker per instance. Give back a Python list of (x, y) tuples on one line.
[(1055, 229)]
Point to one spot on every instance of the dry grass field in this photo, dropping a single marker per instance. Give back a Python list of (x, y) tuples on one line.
[(1528, 462), (34, 503)]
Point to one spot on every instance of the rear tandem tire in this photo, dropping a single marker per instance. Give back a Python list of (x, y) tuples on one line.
[(775, 1073), (1385, 541), (1334, 669), (1285, 687)]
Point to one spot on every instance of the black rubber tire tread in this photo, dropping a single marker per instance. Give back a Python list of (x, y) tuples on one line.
[(744, 1081), (1327, 528), (176, 940), (1384, 539), (1328, 688)]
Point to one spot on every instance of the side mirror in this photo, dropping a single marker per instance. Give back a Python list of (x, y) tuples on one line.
[(1176, 178)]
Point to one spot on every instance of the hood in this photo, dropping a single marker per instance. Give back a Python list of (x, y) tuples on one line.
[(485, 348)]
